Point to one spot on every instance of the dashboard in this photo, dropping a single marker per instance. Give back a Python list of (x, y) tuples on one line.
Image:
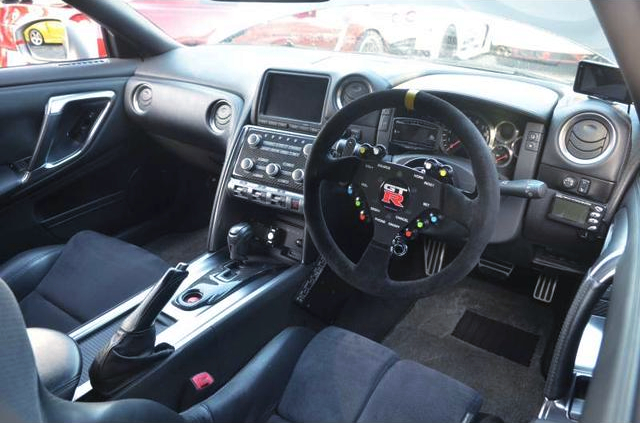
[(259, 123)]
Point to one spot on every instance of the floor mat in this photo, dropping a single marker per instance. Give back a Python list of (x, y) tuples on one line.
[(496, 337), (180, 246), (510, 390)]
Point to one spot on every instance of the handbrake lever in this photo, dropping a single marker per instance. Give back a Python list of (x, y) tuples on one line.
[(132, 348)]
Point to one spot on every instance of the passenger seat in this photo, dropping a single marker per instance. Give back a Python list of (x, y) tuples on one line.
[(61, 287)]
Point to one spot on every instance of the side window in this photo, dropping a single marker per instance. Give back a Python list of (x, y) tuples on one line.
[(44, 31)]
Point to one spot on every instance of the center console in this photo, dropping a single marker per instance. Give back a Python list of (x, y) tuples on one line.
[(270, 166)]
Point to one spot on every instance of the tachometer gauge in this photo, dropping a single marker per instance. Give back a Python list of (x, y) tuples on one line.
[(482, 125), (449, 142), (502, 155)]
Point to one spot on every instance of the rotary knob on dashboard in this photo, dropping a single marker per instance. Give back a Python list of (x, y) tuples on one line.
[(306, 150), (254, 140), (297, 175), (247, 164), (272, 170)]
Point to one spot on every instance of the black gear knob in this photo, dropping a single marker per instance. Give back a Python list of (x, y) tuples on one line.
[(239, 241)]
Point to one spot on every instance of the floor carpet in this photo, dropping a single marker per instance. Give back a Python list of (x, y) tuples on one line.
[(180, 247), (511, 391)]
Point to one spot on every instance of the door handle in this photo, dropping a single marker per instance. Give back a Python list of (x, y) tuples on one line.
[(70, 124)]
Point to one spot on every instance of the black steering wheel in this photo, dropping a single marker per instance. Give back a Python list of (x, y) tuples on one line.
[(396, 195)]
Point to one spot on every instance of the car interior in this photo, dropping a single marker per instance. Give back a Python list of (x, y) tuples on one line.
[(255, 233)]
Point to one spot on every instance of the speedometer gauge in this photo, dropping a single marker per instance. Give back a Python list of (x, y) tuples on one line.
[(450, 143)]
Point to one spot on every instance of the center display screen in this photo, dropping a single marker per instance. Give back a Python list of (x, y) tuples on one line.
[(297, 97)]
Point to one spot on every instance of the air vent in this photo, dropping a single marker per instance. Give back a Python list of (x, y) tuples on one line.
[(587, 138), (352, 88), (220, 115), (142, 98)]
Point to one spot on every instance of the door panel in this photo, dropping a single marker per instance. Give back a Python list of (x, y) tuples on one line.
[(83, 167)]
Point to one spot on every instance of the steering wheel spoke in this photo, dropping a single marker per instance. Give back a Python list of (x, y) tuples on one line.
[(374, 263), (457, 206), (339, 170)]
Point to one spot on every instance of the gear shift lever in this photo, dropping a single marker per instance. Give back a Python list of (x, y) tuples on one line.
[(239, 241)]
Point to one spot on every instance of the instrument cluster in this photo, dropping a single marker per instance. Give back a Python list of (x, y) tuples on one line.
[(419, 135)]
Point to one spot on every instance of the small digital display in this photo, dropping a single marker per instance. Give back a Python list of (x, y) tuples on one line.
[(298, 97), (414, 133), (570, 210), (602, 81)]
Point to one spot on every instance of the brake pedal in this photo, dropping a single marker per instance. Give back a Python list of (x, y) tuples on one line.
[(545, 288), (433, 256)]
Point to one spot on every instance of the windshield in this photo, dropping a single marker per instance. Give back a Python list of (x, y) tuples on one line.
[(543, 39)]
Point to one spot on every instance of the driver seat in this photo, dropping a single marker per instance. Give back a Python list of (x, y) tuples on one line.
[(299, 376)]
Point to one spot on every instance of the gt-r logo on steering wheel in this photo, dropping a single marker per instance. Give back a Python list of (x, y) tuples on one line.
[(394, 196)]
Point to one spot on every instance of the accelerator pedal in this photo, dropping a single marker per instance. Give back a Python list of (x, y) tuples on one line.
[(545, 288), (433, 256)]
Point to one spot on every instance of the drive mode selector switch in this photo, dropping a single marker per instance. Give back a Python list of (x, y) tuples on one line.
[(272, 170), (247, 164), (254, 140), (297, 175)]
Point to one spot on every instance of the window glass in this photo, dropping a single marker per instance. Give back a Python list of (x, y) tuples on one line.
[(45, 31), (543, 39)]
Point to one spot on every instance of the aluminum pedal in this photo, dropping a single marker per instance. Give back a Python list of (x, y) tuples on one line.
[(545, 288), (496, 269), (433, 256)]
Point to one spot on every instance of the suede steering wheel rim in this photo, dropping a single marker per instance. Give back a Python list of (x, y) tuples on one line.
[(381, 181)]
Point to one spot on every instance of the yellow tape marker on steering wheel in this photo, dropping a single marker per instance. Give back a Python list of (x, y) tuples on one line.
[(410, 99)]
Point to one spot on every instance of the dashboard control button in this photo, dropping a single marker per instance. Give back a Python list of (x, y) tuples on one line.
[(533, 136), (599, 209), (531, 145), (583, 187), (592, 228), (254, 140), (247, 164), (595, 215), (306, 150), (569, 182), (272, 170), (297, 175), (593, 221)]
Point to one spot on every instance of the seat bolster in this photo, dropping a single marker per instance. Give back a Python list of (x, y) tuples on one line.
[(25, 271), (253, 393)]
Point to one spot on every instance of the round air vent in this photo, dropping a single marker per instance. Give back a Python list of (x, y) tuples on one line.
[(220, 115), (352, 88), (587, 138), (142, 98)]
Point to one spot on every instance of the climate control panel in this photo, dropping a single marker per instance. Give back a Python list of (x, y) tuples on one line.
[(273, 158)]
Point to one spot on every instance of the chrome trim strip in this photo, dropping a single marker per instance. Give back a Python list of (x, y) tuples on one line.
[(589, 348), (614, 246), (587, 115), (55, 106), (104, 319), (554, 410), (347, 80)]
